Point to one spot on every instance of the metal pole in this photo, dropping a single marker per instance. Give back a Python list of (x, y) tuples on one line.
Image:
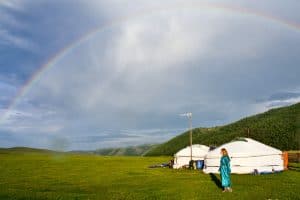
[(248, 132), (189, 116), (191, 135)]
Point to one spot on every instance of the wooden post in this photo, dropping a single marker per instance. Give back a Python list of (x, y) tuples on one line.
[(285, 158)]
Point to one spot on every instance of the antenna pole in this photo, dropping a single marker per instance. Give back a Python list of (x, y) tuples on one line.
[(191, 134), (248, 130), (189, 116)]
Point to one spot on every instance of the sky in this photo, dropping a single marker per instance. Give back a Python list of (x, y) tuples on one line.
[(90, 74)]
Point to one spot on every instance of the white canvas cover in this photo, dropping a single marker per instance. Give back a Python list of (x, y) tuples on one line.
[(247, 155), (183, 156)]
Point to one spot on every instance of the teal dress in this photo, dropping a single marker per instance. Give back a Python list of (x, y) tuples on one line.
[(225, 171)]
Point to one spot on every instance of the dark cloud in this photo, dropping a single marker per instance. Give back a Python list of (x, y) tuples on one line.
[(284, 96)]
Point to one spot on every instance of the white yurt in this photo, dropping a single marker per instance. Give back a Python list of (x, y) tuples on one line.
[(183, 156), (247, 156)]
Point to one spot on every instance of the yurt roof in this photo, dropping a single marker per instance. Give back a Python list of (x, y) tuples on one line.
[(197, 149), (245, 147)]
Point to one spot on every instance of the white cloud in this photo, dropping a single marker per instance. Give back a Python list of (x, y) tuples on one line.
[(9, 25), (124, 138), (12, 4), (159, 44), (9, 39), (280, 103)]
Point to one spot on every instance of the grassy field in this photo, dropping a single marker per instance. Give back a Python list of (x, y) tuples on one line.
[(48, 176)]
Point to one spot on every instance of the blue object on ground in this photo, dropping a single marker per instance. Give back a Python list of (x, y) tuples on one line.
[(199, 164)]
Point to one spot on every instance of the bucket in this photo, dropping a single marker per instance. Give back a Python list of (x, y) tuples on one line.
[(200, 164)]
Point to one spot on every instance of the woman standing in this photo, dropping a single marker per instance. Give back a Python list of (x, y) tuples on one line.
[(225, 171)]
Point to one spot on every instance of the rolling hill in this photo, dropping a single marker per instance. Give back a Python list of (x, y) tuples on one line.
[(125, 151), (25, 150), (279, 128), (122, 151)]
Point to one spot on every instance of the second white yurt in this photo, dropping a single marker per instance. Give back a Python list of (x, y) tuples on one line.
[(247, 156), (183, 157)]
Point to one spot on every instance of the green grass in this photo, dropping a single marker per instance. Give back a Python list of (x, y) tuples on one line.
[(294, 166), (279, 128), (35, 175)]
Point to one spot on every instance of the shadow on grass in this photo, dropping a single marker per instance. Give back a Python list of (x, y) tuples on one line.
[(215, 179)]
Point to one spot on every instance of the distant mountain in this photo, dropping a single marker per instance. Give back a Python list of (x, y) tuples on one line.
[(126, 151), (25, 150), (279, 128)]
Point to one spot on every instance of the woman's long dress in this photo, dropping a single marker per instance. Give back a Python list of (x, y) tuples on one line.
[(225, 171)]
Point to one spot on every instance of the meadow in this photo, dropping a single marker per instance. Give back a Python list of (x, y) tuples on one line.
[(33, 175)]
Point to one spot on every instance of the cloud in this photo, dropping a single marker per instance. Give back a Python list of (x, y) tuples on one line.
[(9, 23), (12, 4), (281, 99), (122, 138), (126, 84), (9, 39), (284, 96), (7, 91), (280, 103)]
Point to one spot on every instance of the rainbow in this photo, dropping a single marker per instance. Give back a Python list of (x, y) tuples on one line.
[(187, 5)]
